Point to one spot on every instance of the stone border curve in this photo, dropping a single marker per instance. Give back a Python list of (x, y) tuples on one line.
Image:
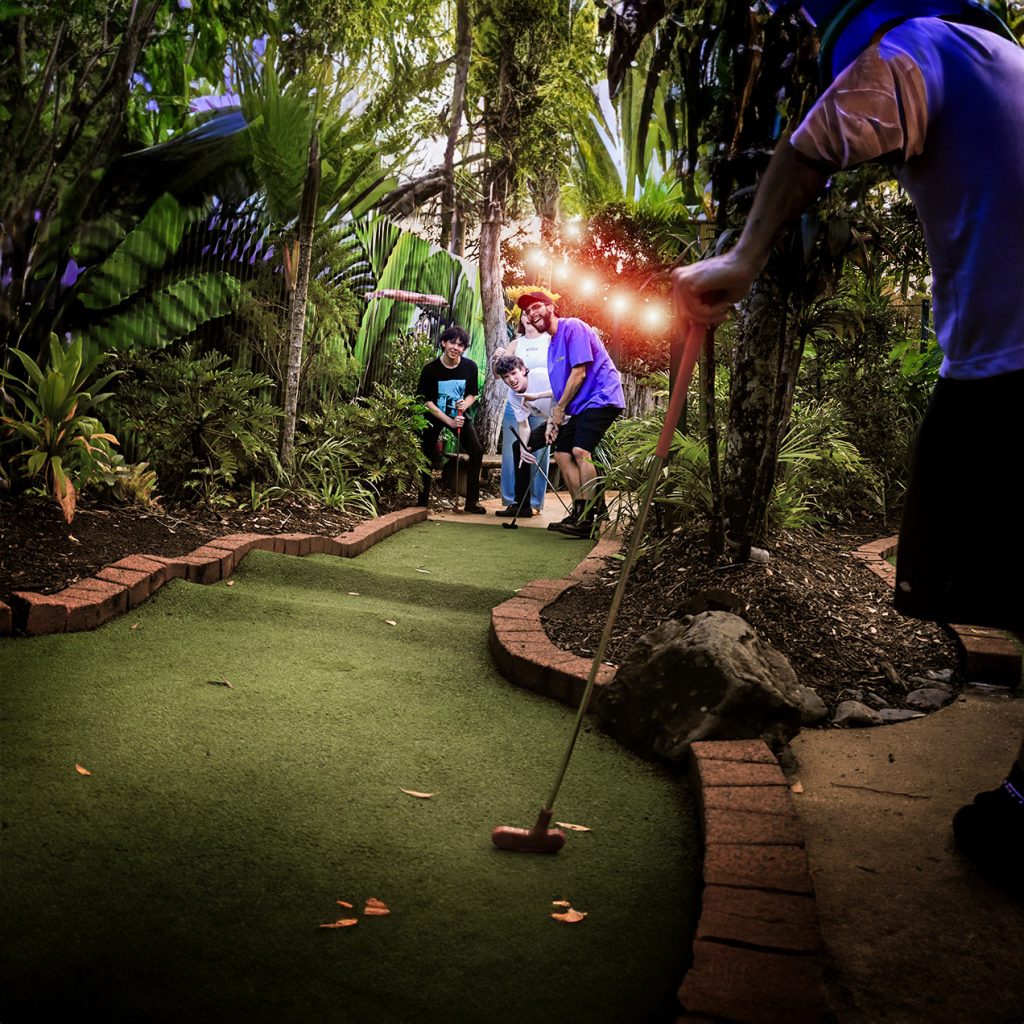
[(986, 655), (756, 953), (125, 584)]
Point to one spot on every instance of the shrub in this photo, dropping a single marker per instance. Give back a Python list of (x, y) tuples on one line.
[(61, 445), (205, 426)]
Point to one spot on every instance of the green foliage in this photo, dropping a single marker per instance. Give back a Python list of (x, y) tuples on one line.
[(205, 426), (143, 304), (61, 445), (374, 439), (821, 476)]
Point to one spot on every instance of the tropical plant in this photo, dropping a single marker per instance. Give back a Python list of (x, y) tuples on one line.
[(60, 443), (205, 425)]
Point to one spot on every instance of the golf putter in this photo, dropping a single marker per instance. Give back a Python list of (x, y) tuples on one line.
[(519, 507), (540, 838), (458, 458)]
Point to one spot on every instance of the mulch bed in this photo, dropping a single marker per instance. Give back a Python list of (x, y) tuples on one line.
[(827, 613), (40, 552)]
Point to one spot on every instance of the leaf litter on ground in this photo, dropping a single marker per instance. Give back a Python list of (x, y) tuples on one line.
[(81, 770), (573, 828), (418, 795)]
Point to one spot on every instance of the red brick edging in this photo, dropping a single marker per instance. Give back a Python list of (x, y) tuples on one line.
[(986, 655), (125, 584), (755, 955)]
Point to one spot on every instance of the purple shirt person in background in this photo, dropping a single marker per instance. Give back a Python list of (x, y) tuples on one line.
[(586, 386)]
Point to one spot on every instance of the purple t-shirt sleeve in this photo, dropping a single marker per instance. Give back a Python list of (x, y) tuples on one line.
[(578, 348)]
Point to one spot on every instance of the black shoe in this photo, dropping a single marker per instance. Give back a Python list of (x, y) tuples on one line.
[(583, 530), (475, 509), (990, 832), (510, 512), (569, 520)]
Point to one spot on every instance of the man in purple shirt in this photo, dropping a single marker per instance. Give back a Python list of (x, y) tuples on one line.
[(586, 386)]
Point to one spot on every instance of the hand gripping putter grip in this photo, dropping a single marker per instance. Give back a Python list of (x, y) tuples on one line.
[(541, 838)]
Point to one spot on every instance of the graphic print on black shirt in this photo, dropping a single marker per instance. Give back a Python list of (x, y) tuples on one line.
[(446, 386)]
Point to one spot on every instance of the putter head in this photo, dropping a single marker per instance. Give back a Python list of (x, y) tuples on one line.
[(528, 840), (509, 526), (539, 839)]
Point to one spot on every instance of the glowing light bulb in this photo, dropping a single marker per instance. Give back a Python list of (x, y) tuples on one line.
[(619, 304), (588, 286)]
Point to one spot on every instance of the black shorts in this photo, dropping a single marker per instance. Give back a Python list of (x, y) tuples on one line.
[(961, 557), (585, 429)]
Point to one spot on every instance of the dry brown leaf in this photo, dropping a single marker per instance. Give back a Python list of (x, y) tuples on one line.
[(376, 908), (345, 922), (81, 770), (219, 682), (573, 828), (353, 593), (797, 787), (391, 622), (427, 571), (135, 625), (344, 903), (570, 916), (560, 903), (419, 796), (229, 583)]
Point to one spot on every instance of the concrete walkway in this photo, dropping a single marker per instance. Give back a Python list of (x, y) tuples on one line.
[(912, 934)]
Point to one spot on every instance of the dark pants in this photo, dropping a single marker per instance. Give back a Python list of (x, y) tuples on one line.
[(534, 444), (469, 443), (960, 557)]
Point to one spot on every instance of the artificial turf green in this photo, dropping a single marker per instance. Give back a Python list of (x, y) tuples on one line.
[(184, 880)]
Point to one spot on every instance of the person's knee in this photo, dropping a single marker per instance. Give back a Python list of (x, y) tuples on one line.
[(581, 455)]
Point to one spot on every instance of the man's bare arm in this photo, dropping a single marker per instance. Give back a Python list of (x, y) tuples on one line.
[(706, 291)]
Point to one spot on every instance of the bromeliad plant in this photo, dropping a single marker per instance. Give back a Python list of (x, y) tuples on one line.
[(61, 444)]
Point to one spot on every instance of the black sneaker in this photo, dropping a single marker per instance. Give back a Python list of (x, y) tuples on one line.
[(584, 529), (475, 510), (569, 520), (990, 831), (510, 513)]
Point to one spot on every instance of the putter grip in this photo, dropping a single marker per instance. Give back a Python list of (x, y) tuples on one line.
[(691, 350)]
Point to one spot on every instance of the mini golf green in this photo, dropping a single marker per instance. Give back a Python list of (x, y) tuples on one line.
[(186, 877)]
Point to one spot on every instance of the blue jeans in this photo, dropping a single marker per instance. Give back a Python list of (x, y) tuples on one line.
[(508, 469)]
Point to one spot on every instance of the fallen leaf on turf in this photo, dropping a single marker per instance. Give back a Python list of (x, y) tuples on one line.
[(229, 583), (81, 770), (375, 908), (391, 622), (219, 682), (419, 796), (573, 828), (345, 922), (353, 593), (797, 787), (343, 903), (570, 916), (427, 571), (135, 625), (560, 903)]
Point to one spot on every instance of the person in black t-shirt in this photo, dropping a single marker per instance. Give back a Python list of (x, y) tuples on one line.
[(449, 387)]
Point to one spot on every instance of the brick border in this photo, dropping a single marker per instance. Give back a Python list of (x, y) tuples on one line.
[(757, 944), (125, 584), (986, 655)]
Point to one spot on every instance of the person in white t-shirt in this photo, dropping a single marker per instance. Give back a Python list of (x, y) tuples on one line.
[(531, 346), (529, 399)]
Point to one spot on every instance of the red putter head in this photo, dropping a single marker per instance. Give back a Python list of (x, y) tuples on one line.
[(539, 839)]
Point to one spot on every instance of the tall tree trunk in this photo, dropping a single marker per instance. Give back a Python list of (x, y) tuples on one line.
[(297, 312), (492, 297), (463, 53), (752, 440)]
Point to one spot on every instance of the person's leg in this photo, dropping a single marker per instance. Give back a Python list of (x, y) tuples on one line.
[(474, 449), (537, 446), (508, 466), (428, 445), (540, 485), (570, 475)]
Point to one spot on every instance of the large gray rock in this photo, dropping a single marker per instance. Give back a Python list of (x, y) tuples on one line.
[(710, 677), (852, 714)]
